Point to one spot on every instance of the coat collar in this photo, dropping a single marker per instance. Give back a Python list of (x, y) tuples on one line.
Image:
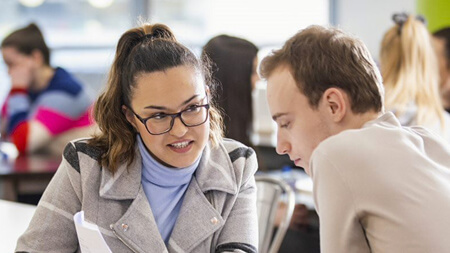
[(198, 219), (215, 172)]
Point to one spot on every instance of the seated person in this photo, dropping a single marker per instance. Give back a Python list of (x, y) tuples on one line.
[(158, 177), (378, 186), (47, 106), (234, 61), (411, 76)]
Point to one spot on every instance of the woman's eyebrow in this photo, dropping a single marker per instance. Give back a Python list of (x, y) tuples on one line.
[(158, 107)]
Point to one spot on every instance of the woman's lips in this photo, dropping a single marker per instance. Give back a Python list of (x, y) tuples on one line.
[(181, 146)]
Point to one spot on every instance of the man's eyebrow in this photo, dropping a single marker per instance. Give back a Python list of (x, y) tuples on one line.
[(277, 115), (158, 107)]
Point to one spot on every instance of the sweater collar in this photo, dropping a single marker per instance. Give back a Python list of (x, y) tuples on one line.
[(386, 119), (215, 172), (161, 175)]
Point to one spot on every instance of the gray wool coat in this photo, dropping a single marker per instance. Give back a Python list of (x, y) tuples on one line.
[(218, 213)]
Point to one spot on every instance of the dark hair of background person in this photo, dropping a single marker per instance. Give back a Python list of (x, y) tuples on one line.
[(320, 58), (144, 49), (232, 60), (444, 34), (28, 39)]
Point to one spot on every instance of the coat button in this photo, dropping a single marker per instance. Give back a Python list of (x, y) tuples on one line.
[(125, 227), (214, 220)]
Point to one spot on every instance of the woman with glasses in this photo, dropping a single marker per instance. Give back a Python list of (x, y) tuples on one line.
[(159, 177)]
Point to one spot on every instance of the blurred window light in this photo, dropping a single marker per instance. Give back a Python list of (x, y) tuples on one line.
[(82, 36), (101, 3), (31, 3), (264, 22), (83, 33)]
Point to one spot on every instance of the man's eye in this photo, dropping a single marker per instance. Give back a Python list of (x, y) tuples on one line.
[(284, 125)]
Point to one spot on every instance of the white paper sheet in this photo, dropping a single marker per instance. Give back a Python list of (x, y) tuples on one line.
[(89, 236)]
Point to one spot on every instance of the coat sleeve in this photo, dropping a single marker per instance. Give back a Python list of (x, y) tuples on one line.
[(240, 232), (52, 228)]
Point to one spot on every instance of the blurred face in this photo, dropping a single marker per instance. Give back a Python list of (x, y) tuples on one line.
[(300, 128), (166, 92), (20, 66)]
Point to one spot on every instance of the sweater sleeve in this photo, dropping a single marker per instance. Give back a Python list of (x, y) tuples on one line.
[(336, 204), (52, 228), (17, 108)]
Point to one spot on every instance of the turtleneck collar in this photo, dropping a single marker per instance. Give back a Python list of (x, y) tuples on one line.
[(161, 175)]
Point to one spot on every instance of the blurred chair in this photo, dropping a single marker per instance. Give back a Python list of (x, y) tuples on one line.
[(270, 191)]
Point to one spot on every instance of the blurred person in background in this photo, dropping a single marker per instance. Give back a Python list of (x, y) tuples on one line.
[(159, 177), (411, 75), (46, 107), (442, 47), (234, 67)]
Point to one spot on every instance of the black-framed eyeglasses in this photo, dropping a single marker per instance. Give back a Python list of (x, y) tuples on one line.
[(162, 123)]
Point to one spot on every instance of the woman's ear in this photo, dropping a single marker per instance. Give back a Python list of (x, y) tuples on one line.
[(208, 91), (335, 102), (129, 116), (38, 57)]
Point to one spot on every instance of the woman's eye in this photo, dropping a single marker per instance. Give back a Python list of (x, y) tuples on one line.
[(159, 116), (192, 108)]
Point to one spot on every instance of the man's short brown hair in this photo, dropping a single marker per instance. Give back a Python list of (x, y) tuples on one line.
[(320, 58)]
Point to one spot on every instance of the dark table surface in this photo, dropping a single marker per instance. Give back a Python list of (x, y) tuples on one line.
[(29, 165), (25, 178)]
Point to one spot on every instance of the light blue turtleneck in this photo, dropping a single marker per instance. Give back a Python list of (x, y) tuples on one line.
[(164, 188)]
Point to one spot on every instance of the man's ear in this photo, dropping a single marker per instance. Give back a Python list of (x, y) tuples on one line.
[(335, 102), (129, 116)]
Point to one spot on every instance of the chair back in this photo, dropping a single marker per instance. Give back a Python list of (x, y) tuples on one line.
[(269, 193)]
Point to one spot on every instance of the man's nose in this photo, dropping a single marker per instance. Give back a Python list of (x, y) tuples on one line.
[(283, 145)]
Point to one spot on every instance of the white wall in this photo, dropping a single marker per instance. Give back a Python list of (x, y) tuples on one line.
[(265, 22), (370, 19)]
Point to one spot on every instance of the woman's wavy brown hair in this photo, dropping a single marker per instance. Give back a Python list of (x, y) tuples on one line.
[(143, 49)]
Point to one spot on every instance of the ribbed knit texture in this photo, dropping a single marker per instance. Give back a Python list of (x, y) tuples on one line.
[(164, 188)]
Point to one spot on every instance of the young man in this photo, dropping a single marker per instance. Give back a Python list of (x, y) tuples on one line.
[(378, 186), (442, 47)]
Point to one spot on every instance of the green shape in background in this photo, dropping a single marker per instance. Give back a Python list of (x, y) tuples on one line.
[(437, 13)]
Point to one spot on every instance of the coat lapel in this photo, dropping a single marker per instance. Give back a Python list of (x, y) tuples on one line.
[(197, 220), (137, 227)]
